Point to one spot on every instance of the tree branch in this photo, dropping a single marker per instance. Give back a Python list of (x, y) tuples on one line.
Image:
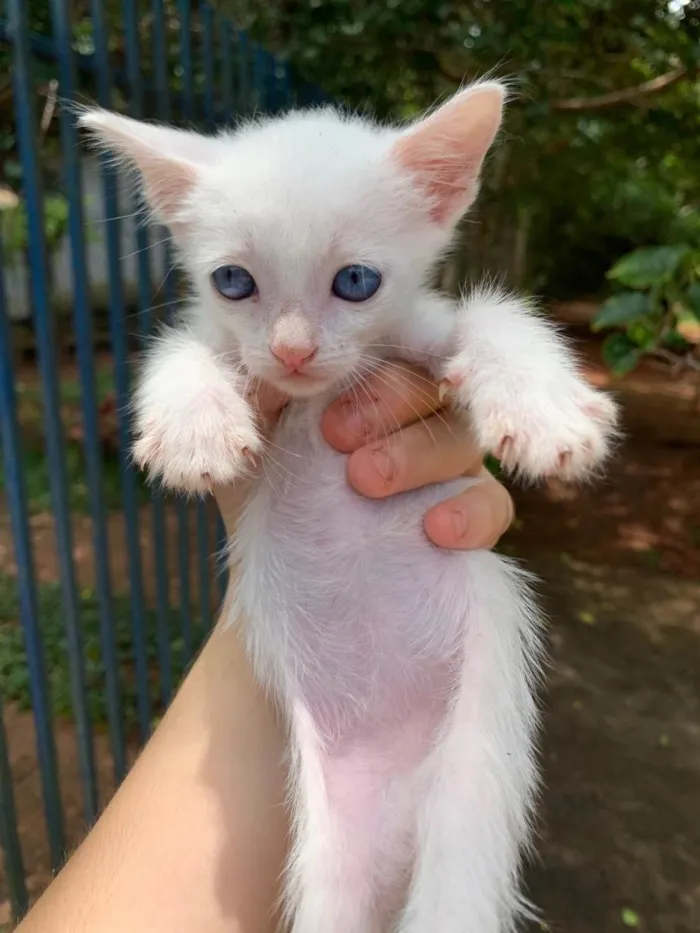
[(627, 95)]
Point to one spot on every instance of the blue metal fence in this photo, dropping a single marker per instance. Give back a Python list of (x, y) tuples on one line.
[(180, 61)]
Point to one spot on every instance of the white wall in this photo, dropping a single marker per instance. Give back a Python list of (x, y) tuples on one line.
[(15, 271)]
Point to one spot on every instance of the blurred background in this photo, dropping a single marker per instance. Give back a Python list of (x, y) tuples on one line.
[(591, 201)]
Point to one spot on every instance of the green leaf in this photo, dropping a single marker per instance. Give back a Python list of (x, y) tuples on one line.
[(622, 309), (651, 265), (643, 335), (692, 299), (630, 918), (674, 340), (620, 354)]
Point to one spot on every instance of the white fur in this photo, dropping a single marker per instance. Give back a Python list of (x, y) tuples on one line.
[(407, 673)]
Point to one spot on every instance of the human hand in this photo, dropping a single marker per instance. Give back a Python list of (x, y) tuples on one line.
[(398, 438)]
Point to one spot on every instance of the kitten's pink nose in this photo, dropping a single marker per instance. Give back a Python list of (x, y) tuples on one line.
[(293, 357)]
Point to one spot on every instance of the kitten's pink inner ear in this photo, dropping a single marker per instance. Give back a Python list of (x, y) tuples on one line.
[(445, 152), (167, 183), (164, 157)]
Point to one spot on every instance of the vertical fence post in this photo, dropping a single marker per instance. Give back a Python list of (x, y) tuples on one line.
[(145, 316), (11, 449), (9, 838), (160, 53), (227, 86), (207, 55), (243, 73), (24, 89), (84, 337), (121, 371)]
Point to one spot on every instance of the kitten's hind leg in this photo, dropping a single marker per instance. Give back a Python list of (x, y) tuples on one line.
[(474, 810), (351, 821)]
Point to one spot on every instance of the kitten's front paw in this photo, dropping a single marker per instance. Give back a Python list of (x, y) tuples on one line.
[(561, 430), (209, 441)]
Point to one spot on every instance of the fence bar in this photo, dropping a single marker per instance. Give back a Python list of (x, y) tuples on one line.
[(188, 108), (227, 89), (243, 73), (145, 319), (260, 78), (221, 555), (208, 52), (284, 84), (84, 336), (23, 89), (9, 837), (208, 61), (160, 52), (11, 449), (120, 348), (201, 516)]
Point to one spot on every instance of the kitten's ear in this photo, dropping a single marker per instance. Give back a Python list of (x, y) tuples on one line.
[(445, 151), (168, 160)]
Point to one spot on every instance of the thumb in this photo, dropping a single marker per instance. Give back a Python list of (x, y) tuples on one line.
[(267, 401)]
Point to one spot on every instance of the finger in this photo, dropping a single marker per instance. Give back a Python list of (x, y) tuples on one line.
[(432, 451), (395, 395), (267, 401), (230, 501), (474, 519)]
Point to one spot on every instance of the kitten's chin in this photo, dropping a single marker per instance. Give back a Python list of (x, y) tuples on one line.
[(300, 385)]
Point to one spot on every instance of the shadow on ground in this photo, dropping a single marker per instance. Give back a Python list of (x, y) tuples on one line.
[(621, 803)]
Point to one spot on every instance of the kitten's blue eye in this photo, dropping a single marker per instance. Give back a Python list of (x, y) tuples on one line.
[(356, 283), (233, 282)]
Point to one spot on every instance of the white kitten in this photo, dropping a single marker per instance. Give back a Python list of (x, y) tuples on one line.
[(407, 673)]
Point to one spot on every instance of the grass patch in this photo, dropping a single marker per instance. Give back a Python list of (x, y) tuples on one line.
[(35, 463), (14, 672), (35, 469)]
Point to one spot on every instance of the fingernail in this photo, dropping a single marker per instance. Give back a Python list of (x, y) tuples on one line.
[(459, 523), (384, 464)]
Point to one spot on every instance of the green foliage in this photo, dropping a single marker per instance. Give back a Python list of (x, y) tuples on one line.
[(579, 178), (651, 266), (13, 224), (575, 181), (630, 918), (36, 471), (659, 312), (35, 465), (14, 672)]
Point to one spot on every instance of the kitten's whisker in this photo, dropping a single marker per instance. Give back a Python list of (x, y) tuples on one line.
[(375, 402), (280, 469), (421, 393), (396, 346), (418, 415), (144, 249), (418, 391), (290, 453), (392, 364), (167, 275), (163, 304), (109, 220), (435, 413)]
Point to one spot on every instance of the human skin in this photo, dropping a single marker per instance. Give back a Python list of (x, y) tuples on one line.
[(196, 836)]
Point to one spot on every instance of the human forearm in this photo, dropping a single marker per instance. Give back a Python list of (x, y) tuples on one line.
[(195, 837)]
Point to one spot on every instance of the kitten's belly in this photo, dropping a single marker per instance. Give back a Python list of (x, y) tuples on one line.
[(350, 607)]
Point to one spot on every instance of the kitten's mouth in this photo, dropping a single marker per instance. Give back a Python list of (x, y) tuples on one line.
[(298, 383)]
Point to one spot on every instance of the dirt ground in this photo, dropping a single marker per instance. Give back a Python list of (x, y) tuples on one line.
[(620, 568)]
